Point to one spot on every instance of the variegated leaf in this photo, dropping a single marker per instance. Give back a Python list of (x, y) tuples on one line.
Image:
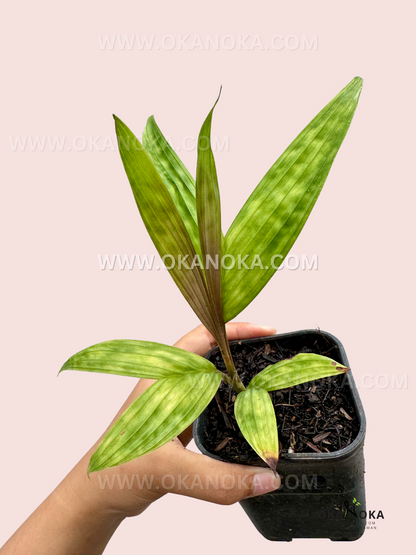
[(176, 177), (304, 367), (138, 359), (256, 419), (209, 221), (164, 223), (162, 412), (272, 218)]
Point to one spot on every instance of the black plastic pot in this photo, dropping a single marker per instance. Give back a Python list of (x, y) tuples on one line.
[(322, 495)]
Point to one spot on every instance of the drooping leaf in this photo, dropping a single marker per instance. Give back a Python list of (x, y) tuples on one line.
[(256, 419), (275, 213), (162, 412), (176, 177), (164, 223), (304, 367), (209, 218), (138, 359)]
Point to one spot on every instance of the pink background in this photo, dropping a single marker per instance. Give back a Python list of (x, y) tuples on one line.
[(60, 209)]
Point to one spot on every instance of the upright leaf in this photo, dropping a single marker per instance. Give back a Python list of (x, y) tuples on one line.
[(162, 412), (164, 223), (209, 217), (176, 177), (302, 368), (138, 359), (274, 215), (256, 419)]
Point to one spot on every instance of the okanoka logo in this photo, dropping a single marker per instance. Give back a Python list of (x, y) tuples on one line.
[(355, 509)]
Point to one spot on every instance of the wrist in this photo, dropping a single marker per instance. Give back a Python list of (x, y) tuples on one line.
[(85, 496), (69, 521)]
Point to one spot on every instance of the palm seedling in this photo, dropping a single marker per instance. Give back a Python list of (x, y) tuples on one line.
[(219, 275)]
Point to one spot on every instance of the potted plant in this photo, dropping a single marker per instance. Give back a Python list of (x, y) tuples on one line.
[(322, 472), (219, 276)]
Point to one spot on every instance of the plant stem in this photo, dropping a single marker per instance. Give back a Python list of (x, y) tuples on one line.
[(234, 381)]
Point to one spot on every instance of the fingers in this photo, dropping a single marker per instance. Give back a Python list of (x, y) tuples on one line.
[(200, 341), (211, 480), (245, 330)]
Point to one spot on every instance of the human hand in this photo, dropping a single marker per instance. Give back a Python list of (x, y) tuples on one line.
[(130, 488), (82, 513)]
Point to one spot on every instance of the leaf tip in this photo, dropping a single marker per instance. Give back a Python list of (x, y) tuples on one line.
[(119, 124), (65, 366), (357, 85), (92, 466), (271, 459), (340, 367)]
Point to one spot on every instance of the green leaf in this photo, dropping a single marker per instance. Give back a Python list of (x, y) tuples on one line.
[(138, 359), (162, 412), (209, 219), (176, 177), (275, 213), (304, 367), (164, 223), (256, 419)]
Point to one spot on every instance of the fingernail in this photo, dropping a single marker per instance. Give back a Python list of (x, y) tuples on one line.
[(265, 481), (269, 329)]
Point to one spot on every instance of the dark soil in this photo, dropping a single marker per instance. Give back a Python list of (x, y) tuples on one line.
[(316, 416)]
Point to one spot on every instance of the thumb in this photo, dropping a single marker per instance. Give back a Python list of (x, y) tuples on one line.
[(211, 480)]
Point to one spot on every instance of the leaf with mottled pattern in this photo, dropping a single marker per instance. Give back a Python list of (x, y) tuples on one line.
[(176, 177), (164, 223), (302, 368), (272, 218), (138, 359), (160, 414), (256, 419)]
